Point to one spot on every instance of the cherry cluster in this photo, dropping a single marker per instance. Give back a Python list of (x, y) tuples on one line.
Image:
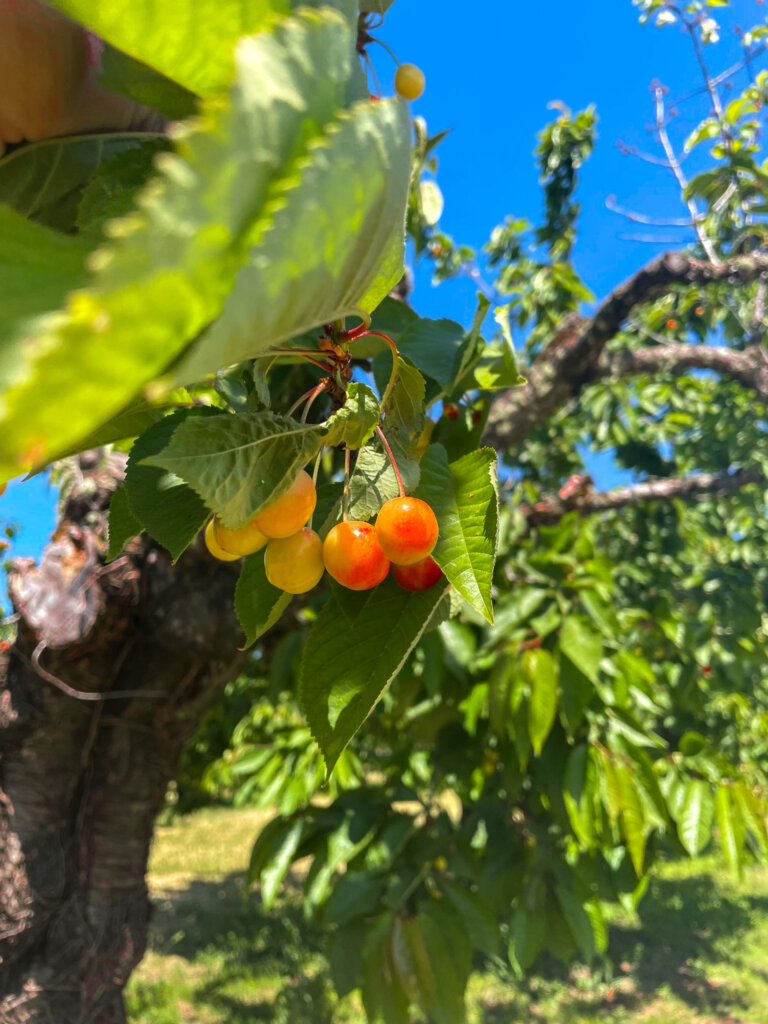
[(358, 555)]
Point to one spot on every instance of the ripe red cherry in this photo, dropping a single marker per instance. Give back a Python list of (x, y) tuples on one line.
[(407, 530), (353, 556), (420, 576)]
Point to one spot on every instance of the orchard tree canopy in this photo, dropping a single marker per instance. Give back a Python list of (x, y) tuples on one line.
[(214, 208)]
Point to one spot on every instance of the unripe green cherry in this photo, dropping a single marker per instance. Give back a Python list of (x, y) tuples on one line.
[(214, 548), (244, 541), (353, 556), (295, 564), (409, 81), (291, 511), (407, 530)]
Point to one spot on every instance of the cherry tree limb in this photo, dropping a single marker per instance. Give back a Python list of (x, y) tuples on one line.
[(691, 488), (560, 372), (749, 368)]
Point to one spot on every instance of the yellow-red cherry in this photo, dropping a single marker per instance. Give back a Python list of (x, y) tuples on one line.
[(291, 511), (420, 576), (295, 564), (243, 541), (409, 81), (353, 556), (215, 549), (407, 530)]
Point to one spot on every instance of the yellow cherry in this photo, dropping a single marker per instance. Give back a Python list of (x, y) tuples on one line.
[(409, 81), (295, 564), (291, 511), (237, 543), (213, 547)]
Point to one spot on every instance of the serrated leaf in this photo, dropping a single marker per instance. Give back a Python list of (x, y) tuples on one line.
[(435, 347), (219, 204), (258, 605), (403, 407), (464, 496), (373, 482), (168, 37), (539, 671), (44, 181), (123, 524), (581, 643), (114, 186), (694, 823), (352, 656), (240, 464), (166, 507)]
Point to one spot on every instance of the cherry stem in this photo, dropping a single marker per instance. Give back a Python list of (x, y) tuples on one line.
[(391, 53), (308, 395), (345, 514), (392, 459), (395, 357), (315, 474), (312, 396), (358, 331)]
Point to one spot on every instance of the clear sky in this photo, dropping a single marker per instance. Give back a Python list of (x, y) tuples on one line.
[(491, 70)]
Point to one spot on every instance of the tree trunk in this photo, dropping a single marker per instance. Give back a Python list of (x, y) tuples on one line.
[(81, 781)]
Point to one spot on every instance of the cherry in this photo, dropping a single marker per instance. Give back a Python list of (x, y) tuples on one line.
[(419, 576), (409, 81), (407, 530), (237, 543), (295, 564), (214, 548), (291, 511), (451, 410), (353, 557)]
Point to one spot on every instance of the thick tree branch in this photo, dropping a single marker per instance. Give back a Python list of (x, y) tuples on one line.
[(562, 370), (749, 368), (691, 488)]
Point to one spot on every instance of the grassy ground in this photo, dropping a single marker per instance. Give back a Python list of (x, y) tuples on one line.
[(699, 957)]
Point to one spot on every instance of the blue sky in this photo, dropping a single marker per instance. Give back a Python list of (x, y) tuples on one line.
[(491, 70)]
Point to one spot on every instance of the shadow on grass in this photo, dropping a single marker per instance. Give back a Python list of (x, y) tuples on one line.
[(688, 926), (245, 965)]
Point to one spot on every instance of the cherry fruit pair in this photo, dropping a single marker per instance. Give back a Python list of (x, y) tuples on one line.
[(358, 555), (293, 558)]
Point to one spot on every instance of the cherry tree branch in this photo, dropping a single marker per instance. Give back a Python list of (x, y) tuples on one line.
[(692, 488), (560, 372), (749, 368)]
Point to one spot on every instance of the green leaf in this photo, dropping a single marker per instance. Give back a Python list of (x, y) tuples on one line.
[(581, 643), (123, 524), (529, 931), (355, 894), (478, 918), (276, 868), (446, 943), (226, 228), (411, 961), (352, 655), (464, 496), (373, 482), (632, 816), (171, 37), (345, 956), (114, 186), (435, 347), (44, 181), (122, 74), (576, 692), (404, 408), (166, 507), (539, 671), (694, 823), (382, 992), (240, 464), (258, 605), (578, 920), (730, 824)]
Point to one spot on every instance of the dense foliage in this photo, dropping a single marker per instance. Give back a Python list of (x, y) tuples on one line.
[(590, 690)]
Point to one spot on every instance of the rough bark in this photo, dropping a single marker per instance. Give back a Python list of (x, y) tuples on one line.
[(562, 370), (81, 781)]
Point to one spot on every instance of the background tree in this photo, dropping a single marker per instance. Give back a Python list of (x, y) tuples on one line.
[(522, 769)]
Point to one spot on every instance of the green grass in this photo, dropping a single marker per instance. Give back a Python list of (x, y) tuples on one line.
[(699, 955)]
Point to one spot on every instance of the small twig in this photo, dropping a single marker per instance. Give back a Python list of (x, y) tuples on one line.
[(674, 165), (34, 662), (640, 218)]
